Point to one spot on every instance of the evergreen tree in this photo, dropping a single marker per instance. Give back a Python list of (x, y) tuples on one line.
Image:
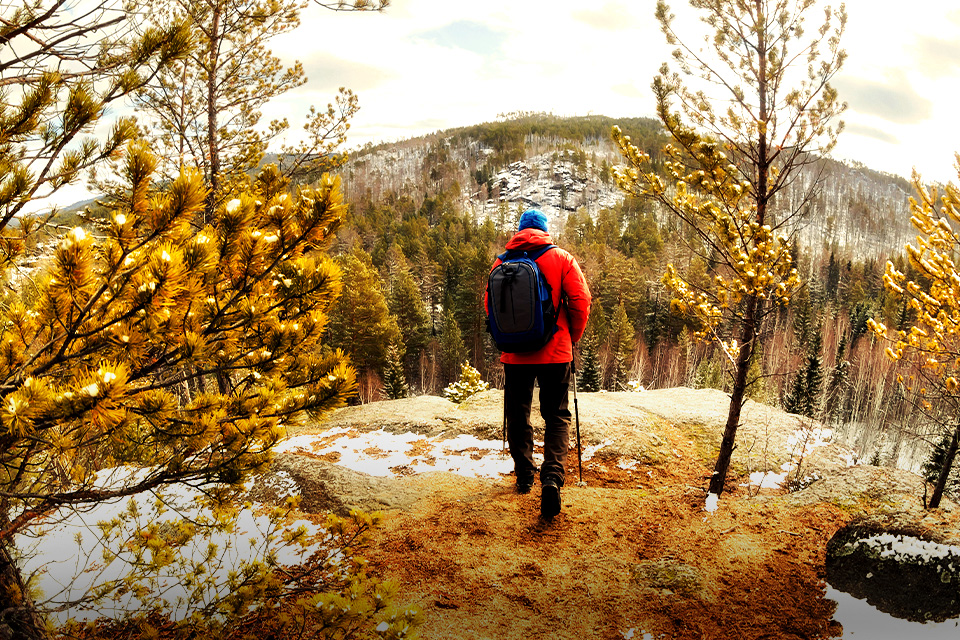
[(452, 350), (394, 379), (590, 377), (937, 462), (205, 110), (730, 154), (756, 383), (407, 307), (833, 278), (361, 323), (620, 339), (932, 339), (835, 398), (470, 383), (96, 357), (803, 323), (62, 70), (859, 321), (618, 378), (804, 396)]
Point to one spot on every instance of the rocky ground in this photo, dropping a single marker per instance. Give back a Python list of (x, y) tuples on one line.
[(633, 553)]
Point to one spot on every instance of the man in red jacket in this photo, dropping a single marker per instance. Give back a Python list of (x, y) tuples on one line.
[(550, 366)]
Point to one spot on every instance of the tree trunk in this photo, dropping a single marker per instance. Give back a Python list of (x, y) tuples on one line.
[(945, 469), (19, 618), (748, 335), (212, 134), (748, 340)]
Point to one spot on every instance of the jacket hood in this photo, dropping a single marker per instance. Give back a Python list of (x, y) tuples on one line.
[(527, 239)]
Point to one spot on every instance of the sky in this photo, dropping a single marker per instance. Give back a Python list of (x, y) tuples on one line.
[(425, 65)]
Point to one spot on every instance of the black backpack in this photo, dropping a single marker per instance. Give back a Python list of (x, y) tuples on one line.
[(520, 312)]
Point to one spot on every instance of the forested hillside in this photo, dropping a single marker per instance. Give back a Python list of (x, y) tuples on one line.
[(428, 216)]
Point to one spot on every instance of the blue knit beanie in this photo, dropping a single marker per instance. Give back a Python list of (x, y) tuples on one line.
[(533, 218)]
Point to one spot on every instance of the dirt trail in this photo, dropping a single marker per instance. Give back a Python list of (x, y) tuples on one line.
[(629, 551), (633, 552)]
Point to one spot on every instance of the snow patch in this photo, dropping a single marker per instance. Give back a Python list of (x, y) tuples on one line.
[(67, 553), (908, 549), (768, 479), (711, 504), (382, 453), (809, 439)]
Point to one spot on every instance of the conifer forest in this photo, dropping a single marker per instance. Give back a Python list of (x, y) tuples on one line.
[(231, 279)]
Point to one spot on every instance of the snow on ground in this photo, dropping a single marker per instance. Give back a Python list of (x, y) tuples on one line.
[(381, 453), (67, 553), (711, 503), (71, 547), (802, 443), (909, 549), (767, 479), (809, 439)]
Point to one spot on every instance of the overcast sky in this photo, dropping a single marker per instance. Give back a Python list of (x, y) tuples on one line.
[(425, 65)]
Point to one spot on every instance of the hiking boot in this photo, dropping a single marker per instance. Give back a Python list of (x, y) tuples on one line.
[(525, 484), (549, 499)]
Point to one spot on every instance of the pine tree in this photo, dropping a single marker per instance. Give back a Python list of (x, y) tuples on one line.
[(930, 343), (67, 68), (452, 350), (833, 278), (802, 321), (205, 110), (618, 379), (835, 398), (590, 377), (731, 152), (361, 323), (407, 307), (394, 379), (804, 396), (937, 462), (61, 70), (470, 383), (96, 357), (756, 383), (620, 339)]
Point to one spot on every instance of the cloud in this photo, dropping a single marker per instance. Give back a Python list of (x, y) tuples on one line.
[(612, 16), (893, 100), (937, 57), (327, 72), (871, 132), (467, 35)]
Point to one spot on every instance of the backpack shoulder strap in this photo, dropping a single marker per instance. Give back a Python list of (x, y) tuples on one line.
[(539, 252), (518, 253)]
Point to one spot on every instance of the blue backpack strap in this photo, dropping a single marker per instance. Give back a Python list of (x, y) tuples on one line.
[(536, 254), (518, 253)]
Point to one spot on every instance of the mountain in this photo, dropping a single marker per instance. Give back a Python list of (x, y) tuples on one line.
[(563, 165)]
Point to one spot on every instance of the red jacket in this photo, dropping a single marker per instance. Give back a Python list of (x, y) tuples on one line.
[(564, 276)]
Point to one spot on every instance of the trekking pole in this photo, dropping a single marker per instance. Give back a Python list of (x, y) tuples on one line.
[(576, 414), (504, 419)]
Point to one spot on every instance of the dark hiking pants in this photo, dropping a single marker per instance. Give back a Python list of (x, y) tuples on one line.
[(554, 379)]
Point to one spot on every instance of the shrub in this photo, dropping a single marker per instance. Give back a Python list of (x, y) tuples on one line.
[(469, 384)]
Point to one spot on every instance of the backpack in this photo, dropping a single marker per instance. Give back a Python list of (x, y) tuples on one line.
[(520, 312)]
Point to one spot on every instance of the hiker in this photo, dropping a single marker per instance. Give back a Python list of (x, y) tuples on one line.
[(550, 365)]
